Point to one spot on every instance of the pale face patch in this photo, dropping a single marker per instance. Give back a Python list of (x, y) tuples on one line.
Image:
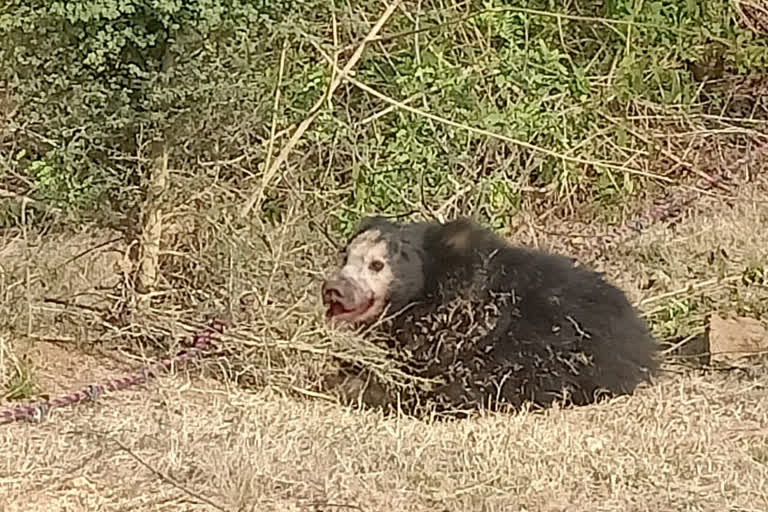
[(359, 291)]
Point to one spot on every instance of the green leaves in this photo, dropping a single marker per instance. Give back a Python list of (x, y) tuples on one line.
[(114, 76), (96, 76)]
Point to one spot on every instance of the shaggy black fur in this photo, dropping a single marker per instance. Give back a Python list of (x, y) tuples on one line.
[(497, 324)]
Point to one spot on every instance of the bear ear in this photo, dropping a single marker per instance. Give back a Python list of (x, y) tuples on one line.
[(464, 237), (374, 221), (459, 235)]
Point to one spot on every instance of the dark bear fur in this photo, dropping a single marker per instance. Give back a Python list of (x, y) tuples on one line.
[(497, 324)]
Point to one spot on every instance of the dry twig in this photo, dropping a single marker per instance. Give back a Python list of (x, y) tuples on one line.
[(269, 173)]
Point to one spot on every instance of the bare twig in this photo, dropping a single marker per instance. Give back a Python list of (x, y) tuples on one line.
[(754, 14), (269, 173), (691, 287), (7, 194), (480, 131), (709, 179), (165, 477)]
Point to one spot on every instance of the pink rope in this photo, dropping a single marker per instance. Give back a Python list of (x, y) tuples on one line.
[(36, 412)]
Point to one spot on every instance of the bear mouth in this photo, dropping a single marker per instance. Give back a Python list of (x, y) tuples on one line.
[(337, 311)]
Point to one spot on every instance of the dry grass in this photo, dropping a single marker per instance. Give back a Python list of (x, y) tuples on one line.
[(685, 444), (692, 441), (245, 431)]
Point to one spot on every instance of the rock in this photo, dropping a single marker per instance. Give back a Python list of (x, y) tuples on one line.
[(736, 338)]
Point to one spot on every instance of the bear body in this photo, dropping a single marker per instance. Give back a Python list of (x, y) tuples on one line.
[(488, 323)]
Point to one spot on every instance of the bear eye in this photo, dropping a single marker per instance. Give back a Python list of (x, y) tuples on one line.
[(376, 265)]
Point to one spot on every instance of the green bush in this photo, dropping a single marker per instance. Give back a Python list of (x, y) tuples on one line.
[(97, 82)]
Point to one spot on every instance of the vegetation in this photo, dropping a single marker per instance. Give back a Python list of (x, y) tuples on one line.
[(163, 161), (128, 114), (91, 86)]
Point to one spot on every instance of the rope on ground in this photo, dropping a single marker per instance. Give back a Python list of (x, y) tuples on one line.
[(201, 342)]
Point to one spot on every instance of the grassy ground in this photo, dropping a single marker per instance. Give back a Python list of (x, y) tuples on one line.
[(695, 440), (554, 129), (690, 443)]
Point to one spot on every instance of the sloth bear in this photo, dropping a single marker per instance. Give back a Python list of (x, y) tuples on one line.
[(487, 324)]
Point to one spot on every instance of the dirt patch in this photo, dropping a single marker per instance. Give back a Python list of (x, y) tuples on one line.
[(37, 340), (57, 369)]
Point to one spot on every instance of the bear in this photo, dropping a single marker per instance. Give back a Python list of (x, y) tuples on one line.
[(486, 323)]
